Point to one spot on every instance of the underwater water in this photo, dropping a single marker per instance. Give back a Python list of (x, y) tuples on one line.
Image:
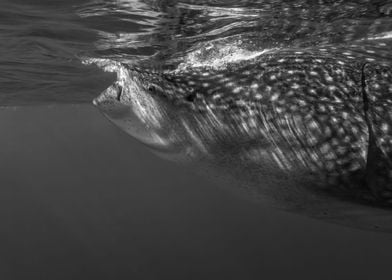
[(81, 199)]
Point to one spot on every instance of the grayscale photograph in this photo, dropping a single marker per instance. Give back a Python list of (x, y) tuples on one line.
[(195, 139)]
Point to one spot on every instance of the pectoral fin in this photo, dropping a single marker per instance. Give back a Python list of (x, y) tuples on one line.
[(377, 93)]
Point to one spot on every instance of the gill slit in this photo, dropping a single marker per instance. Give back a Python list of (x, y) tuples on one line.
[(119, 93), (366, 102)]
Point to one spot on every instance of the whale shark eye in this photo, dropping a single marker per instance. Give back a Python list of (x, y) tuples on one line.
[(190, 98), (151, 88)]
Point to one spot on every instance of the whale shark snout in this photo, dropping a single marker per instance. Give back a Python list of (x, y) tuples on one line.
[(134, 104), (111, 94), (109, 103)]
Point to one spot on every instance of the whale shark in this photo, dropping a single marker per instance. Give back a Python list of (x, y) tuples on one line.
[(304, 130)]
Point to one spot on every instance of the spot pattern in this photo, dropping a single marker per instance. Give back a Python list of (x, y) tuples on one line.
[(306, 105), (305, 109)]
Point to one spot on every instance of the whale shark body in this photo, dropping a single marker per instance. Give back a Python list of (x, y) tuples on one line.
[(308, 131)]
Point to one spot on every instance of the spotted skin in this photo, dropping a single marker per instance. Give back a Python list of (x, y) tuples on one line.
[(310, 127), (306, 106)]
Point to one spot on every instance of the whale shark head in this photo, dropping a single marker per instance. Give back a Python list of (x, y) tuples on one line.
[(134, 104), (145, 105)]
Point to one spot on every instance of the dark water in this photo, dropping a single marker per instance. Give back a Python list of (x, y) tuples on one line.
[(81, 200)]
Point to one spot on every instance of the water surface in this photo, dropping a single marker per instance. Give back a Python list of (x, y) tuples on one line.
[(44, 43)]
